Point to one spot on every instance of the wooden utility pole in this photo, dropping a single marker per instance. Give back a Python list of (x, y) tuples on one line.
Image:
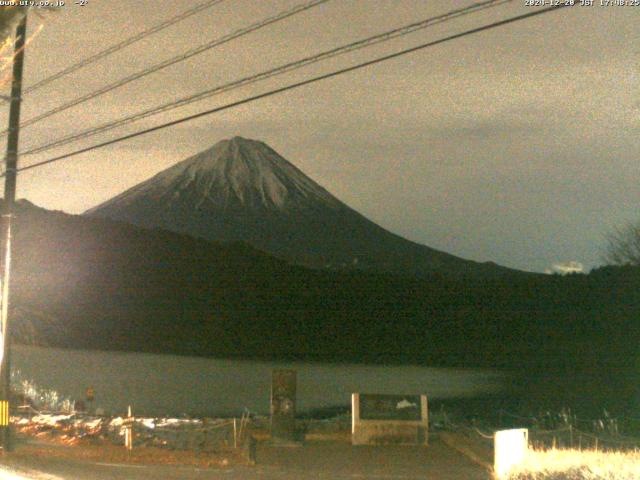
[(10, 174)]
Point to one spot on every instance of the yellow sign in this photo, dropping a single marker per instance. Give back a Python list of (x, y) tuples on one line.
[(4, 413), (90, 394)]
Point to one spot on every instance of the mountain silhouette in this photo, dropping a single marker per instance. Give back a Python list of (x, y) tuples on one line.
[(242, 190)]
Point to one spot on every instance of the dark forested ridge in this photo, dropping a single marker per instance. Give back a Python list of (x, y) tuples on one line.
[(82, 282)]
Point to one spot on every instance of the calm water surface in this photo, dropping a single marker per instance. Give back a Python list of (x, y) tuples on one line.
[(171, 385)]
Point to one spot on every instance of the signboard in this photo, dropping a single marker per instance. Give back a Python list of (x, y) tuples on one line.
[(390, 407), (283, 405), (383, 419)]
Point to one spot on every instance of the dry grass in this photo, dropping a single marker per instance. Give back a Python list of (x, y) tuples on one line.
[(578, 465)]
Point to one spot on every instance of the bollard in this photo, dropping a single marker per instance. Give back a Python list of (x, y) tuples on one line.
[(128, 431), (510, 449)]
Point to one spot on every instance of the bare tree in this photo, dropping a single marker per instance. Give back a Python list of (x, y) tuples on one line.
[(623, 245)]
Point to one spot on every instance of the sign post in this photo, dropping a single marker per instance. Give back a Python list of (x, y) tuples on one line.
[(283, 406)]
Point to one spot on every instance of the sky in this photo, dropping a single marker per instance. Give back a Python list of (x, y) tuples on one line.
[(517, 145)]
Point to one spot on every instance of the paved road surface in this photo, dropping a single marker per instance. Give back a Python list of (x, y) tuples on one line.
[(330, 461)]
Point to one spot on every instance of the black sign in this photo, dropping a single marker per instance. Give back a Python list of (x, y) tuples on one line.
[(390, 407), (283, 405)]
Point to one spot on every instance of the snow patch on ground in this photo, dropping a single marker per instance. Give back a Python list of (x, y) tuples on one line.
[(51, 420)]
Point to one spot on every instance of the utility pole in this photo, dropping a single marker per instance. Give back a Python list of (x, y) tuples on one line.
[(5, 232)]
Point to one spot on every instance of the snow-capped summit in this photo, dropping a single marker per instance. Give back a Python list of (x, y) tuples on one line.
[(235, 173), (242, 190)]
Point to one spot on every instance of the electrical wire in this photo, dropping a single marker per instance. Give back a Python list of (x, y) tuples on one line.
[(295, 85), (121, 45), (172, 61), (285, 68)]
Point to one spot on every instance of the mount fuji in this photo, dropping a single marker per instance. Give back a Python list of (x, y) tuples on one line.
[(242, 190)]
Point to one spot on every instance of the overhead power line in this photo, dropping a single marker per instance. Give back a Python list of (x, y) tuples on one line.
[(295, 85), (172, 61), (123, 44), (285, 68)]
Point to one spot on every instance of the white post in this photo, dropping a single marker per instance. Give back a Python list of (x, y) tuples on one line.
[(355, 411), (235, 433), (128, 431), (510, 447)]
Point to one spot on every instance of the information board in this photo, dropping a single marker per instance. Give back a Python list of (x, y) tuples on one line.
[(390, 407)]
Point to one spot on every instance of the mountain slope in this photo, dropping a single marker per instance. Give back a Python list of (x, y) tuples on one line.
[(95, 283), (242, 190)]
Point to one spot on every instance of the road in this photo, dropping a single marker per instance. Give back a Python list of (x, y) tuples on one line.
[(321, 461)]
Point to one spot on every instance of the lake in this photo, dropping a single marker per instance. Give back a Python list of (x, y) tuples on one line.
[(159, 385)]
